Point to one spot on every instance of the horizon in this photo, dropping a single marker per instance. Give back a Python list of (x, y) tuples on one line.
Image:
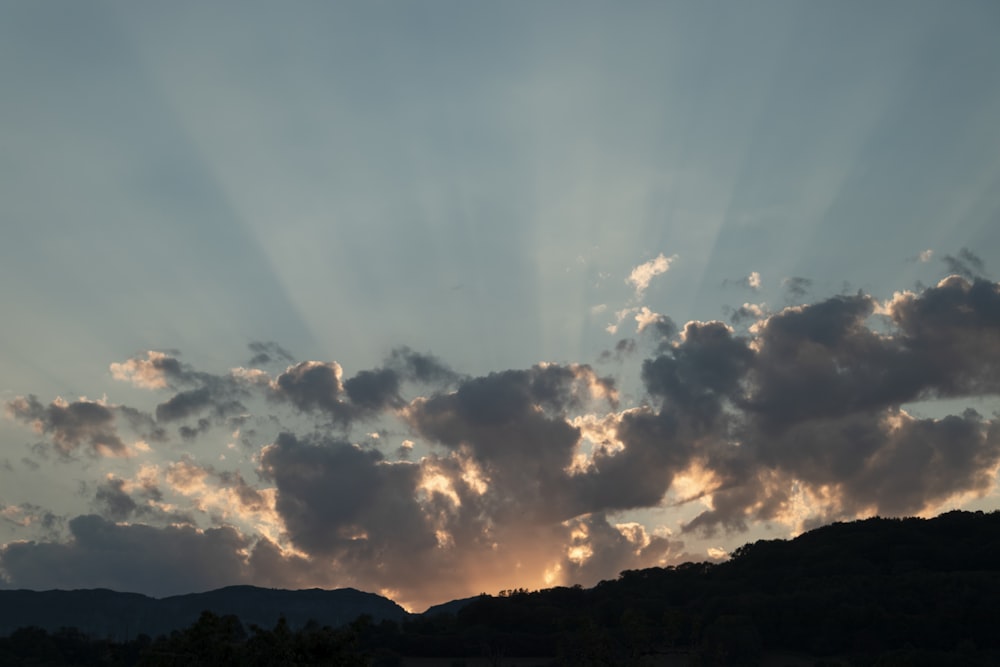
[(500, 593), (430, 301)]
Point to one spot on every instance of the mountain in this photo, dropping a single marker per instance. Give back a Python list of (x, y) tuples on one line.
[(452, 607), (106, 613)]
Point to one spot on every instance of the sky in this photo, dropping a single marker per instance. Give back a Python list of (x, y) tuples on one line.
[(439, 298)]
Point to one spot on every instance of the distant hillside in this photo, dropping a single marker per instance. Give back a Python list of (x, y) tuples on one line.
[(105, 613)]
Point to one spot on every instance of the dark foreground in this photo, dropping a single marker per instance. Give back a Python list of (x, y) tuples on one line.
[(878, 593)]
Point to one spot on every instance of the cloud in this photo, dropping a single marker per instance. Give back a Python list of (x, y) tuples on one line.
[(622, 349), (71, 426), (645, 318), (527, 477), (25, 515), (513, 425), (267, 353), (643, 274), (966, 264), (313, 386), (796, 287), (155, 370), (952, 334), (821, 470), (373, 390), (183, 405), (195, 392), (818, 405), (191, 432), (156, 561), (424, 531), (751, 281), (332, 494), (422, 368), (112, 500), (747, 312), (597, 546)]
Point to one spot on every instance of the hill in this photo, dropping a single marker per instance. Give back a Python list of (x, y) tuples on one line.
[(104, 613), (849, 589)]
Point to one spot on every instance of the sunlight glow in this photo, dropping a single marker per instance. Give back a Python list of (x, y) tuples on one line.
[(473, 476), (433, 481), (579, 554)]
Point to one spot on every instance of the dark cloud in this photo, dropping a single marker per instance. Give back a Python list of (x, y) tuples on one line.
[(706, 366), (610, 548), (913, 463), (367, 518), (877, 463), (192, 402), (142, 423), (966, 264), (83, 423), (184, 404), (514, 425), (191, 432), (267, 353), (798, 419), (698, 383), (314, 386), (374, 390), (195, 392), (119, 500), (823, 360), (656, 448), (622, 349), (249, 497), (274, 568), (796, 287), (436, 528), (821, 407), (331, 493), (113, 502), (664, 330), (156, 561), (423, 368), (748, 312), (952, 334)]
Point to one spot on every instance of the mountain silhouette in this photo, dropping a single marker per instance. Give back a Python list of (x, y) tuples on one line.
[(107, 613)]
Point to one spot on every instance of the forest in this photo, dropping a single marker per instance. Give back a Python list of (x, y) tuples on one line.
[(877, 592)]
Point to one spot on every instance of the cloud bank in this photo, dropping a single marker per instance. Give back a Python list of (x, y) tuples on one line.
[(424, 484)]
